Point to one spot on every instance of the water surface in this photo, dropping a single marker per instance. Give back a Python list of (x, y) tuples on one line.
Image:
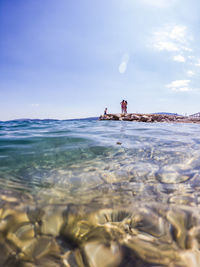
[(99, 193)]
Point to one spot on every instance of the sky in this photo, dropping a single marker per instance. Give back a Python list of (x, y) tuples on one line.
[(64, 59)]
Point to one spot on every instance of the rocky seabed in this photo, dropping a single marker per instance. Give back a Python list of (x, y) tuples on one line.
[(145, 234)]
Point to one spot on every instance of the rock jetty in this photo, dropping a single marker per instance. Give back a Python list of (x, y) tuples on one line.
[(150, 118)]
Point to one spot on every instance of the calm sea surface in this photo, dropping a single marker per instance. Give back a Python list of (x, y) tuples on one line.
[(99, 193)]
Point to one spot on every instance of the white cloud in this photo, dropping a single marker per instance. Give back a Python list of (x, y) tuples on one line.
[(178, 83), (172, 38), (179, 86), (179, 58), (178, 33), (190, 73), (164, 45), (124, 63)]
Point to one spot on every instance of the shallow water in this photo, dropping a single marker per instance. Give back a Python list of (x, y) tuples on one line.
[(99, 193)]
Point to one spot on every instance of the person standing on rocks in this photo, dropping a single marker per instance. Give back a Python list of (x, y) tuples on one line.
[(105, 111), (123, 106)]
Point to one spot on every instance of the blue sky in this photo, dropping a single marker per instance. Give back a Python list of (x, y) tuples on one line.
[(69, 59)]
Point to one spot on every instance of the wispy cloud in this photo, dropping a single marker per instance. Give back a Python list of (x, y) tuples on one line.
[(179, 86), (190, 73), (179, 58), (177, 41), (191, 57), (124, 62), (172, 38)]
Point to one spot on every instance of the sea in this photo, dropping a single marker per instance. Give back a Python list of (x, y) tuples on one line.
[(99, 193)]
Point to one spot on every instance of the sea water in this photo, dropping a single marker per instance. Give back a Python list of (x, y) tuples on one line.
[(99, 193)]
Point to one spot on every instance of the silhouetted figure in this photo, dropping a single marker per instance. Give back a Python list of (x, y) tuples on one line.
[(105, 111), (123, 106)]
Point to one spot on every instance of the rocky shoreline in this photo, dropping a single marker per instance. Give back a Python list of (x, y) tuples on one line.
[(150, 118)]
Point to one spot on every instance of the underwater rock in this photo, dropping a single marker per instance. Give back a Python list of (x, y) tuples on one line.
[(148, 251), (183, 200), (12, 220), (52, 221), (6, 252), (178, 222), (35, 214), (74, 229), (73, 258), (149, 223), (118, 143), (102, 255), (173, 174), (45, 246), (108, 215)]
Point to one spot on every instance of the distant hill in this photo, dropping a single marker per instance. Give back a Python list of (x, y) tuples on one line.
[(84, 119), (167, 113), (26, 119)]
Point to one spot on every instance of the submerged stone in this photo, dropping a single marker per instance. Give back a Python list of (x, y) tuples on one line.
[(173, 174), (73, 259), (52, 221), (102, 255), (45, 246), (152, 251), (178, 222)]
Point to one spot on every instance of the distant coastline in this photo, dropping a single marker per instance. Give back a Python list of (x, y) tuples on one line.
[(142, 117), (28, 119)]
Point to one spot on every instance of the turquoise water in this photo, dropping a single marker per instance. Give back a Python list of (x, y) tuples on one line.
[(85, 154), (100, 166)]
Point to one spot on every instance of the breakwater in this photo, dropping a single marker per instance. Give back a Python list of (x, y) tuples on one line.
[(149, 118)]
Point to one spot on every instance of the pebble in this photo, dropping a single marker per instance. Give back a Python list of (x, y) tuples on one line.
[(118, 143)]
